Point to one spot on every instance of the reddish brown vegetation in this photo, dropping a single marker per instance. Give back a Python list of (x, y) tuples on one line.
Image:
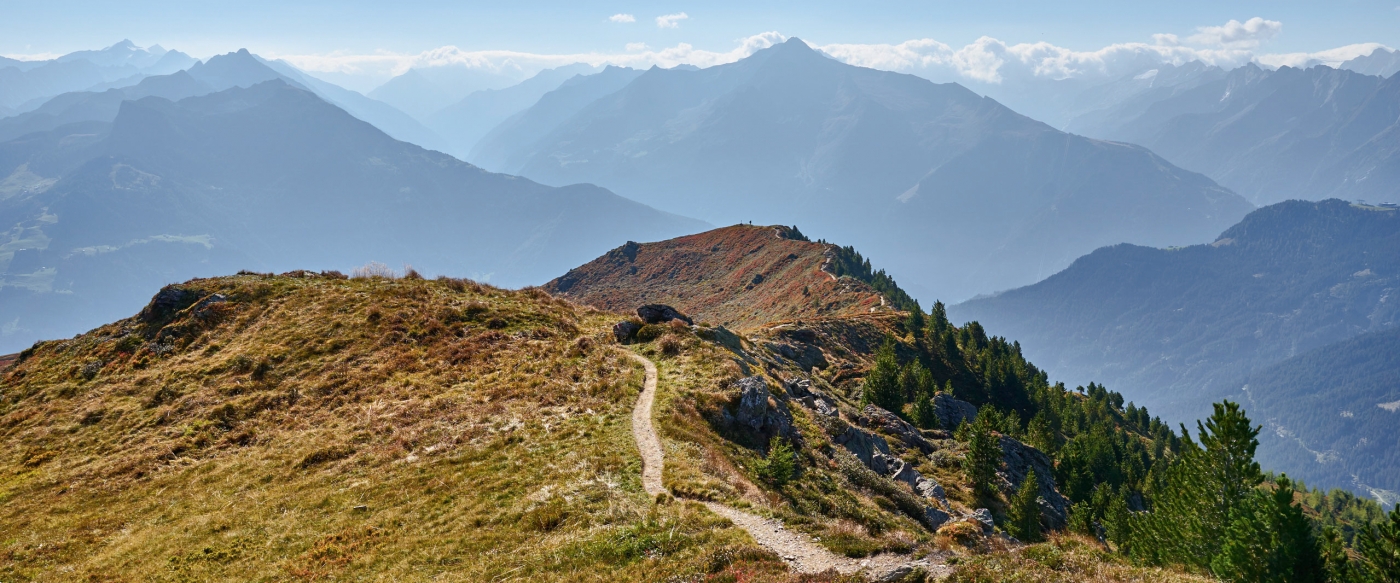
[(741, 276)]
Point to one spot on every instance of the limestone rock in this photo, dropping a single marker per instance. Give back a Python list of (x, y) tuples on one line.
[(880, 419), (862, 444), (952, 412), (984, 516), (661, 314), (625, 330), (753, 401), (928, 488), (1019, 460), (935, 518), (167, 302), (755, 412)]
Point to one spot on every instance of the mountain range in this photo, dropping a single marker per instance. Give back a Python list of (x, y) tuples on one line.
[(268, 177), (1269, 135), (236, 69), (25, 84), (463, 123), (1177, 329), (894, 163)]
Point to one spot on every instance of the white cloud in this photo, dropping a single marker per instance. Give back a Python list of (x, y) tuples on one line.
[(1329, 57), (986, 60), (622, 18), (1238, 35), (671, 20), (385, 64), (32, 56)]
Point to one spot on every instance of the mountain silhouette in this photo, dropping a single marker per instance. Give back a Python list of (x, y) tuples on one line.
[(955, 193), (269, 178)]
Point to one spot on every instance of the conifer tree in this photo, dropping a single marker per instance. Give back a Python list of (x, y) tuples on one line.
[(983, 457), (1196, 497), (1269, 541), (1379, 547), (1024, 513), (882, 387)]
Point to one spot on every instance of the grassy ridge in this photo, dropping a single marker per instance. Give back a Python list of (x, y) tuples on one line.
[(316, 428)]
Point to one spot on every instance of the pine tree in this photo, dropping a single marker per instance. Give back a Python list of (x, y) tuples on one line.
[(1197, 496), (925, 415), (1269, 541), (1024, 511), (983, 457), (781, 464), (914, 324), (1379, 547), (882, 387)]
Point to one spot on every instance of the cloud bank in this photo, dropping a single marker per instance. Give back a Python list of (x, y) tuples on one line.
[(985, 60)]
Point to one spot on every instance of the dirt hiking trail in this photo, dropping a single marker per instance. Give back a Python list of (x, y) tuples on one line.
[(801, 553)]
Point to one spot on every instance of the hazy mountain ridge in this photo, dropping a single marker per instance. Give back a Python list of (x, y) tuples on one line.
[(234, 69), (893, 163), (462, 124), (1330, 413), (1175, 328), (23, 82), (267, 178), (1271, 135)]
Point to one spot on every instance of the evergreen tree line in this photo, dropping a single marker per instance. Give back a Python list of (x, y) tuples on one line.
[(847, 262), (1211, 509), (1102, 451), (1156, 496)]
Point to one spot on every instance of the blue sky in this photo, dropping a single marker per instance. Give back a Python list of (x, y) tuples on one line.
[(348, 28)]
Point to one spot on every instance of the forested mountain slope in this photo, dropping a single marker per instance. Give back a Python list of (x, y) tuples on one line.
[(1173, 328), (1330, 414)]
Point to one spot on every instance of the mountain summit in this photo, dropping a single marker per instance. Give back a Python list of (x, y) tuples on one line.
[(909, 170)]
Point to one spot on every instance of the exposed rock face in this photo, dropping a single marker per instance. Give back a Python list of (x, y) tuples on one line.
[(882, 420), (984, 517), (935, 517), (1019, 459), (928, 488), (806, 356), (863, 444), (625, 330), (167, 302), (754, 410), (660, 314), (952, 412)]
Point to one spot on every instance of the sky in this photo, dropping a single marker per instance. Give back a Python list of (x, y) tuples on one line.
[(362, 43)]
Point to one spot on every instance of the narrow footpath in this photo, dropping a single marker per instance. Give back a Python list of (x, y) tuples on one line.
[(801, 553)]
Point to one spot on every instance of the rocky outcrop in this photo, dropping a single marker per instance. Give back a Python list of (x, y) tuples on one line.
[(167, 302), (801, 390), (758, 411), (805, 356), (1018, 460), (983, 517), (887, 422), (625, 330), (862, 444), (660, 314), (952, 412)]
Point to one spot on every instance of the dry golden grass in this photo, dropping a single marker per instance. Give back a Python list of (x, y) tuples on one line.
[(319, 428), (1063, 559)]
